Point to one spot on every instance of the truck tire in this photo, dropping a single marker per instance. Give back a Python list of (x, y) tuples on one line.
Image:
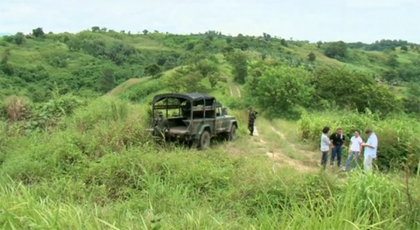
[(232, 134), (204, 142)]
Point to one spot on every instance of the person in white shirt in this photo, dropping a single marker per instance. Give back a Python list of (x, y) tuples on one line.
[(354, 150), (325, 146), (370, 149)]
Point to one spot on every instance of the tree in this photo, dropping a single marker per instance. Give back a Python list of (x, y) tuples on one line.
[(208, 68), (215, 78), (404, 48), (118, 52), (5, 67), (96, 29), (152, 69), (38, 32), (107, 82), (266, 36), (283, 42), (185, 80), (281, 90), (319, 44), (380, 99), (210, 36), (240, 38), (336, 50), (20, 38), (173, 81), (354, 90), (205, 67), (190, 46), (206, 43), (244, 46), (145, 32), (227, 51), (192, 82), (311, 57), (390, 75), (229, 40), (5, 56), (392, 61), (412, 101), (239, 61), (411, 104), (74, 44), (413, 89)]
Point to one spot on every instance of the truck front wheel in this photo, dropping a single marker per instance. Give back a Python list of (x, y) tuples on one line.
[(204, 140), (232, 134)]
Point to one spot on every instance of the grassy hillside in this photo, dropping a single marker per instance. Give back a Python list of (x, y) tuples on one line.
[(91, 63), (75, 154), (98, 169)]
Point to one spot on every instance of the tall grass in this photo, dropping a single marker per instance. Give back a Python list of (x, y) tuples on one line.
[(99, 170)]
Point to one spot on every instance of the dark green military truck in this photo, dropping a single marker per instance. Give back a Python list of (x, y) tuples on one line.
[(191, 117)]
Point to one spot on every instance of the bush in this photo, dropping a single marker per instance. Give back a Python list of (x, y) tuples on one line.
[(281, 90), (17, 108), (349, 89), (236, 103), (398, 136), (336, 50), (48, 114)]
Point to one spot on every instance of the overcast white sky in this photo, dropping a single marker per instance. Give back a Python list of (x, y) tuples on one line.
[(326, 20)]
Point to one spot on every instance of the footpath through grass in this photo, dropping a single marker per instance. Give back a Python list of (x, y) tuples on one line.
[(127, 84), (234, 89)]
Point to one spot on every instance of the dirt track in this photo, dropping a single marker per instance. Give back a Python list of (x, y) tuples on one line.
[(278, 155)]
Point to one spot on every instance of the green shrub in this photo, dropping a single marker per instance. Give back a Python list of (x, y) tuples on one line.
[(48, 114), (234, 103), (281, 91)]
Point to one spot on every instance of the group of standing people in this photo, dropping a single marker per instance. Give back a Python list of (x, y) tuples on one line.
[(336, 143), (357, 148)]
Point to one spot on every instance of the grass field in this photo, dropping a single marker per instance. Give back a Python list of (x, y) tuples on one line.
[(99, 170), (96, 167)]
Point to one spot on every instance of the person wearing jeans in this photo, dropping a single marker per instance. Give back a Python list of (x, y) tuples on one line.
[(325, 146), (338, 139), (354, 150), (370, 150)]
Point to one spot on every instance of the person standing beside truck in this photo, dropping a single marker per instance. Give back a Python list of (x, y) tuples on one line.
[(251, 120)]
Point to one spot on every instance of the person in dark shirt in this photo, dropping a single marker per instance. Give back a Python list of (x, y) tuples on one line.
[(251, 120), (161, 125), (337, 139)]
